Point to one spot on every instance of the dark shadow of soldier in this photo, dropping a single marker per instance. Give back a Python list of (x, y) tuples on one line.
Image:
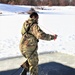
[(51, 68)]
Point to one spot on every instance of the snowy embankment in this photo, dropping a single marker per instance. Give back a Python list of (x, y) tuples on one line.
[(53, 20)]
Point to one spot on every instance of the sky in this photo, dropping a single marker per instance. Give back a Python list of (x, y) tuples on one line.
[(58, 20)]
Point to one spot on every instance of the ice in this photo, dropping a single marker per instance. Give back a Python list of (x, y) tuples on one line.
[(58, 20)]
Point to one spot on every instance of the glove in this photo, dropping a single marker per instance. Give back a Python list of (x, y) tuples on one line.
[(55, 37)]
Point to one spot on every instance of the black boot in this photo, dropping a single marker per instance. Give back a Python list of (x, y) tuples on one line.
[(24, 72), (25, 65)]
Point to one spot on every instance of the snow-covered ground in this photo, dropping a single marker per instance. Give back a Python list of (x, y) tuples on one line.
[(53, 20)]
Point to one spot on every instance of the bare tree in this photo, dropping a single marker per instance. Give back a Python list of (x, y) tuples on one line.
[(40, 2)]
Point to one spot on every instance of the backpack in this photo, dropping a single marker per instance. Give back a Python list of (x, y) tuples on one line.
[(27, 37)]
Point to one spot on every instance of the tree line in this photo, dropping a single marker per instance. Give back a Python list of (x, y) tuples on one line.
[(40, 2)]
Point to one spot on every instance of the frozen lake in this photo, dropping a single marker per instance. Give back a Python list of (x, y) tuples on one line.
[(56, 20)]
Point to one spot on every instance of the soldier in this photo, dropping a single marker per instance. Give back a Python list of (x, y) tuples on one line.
[(31, 33)]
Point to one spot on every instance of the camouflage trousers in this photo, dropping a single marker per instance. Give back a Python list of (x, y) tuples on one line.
[(32, 57)]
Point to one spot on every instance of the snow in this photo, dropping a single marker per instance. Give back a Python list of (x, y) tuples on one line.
[(58, 20)]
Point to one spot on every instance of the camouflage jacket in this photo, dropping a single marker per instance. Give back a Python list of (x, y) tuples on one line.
[(30, 37)]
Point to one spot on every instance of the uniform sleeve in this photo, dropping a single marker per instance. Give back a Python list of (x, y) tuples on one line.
[(40, 34), (23, 29)]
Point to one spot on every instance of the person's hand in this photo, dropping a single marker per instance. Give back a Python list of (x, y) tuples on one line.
[(55, 37)]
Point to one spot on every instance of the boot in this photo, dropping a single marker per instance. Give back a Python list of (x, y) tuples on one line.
[(25, 65), (24, 72)]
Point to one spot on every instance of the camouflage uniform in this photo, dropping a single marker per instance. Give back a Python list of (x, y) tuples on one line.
[(29, 43)]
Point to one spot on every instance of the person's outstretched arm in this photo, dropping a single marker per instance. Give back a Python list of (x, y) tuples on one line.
[(40, 34)]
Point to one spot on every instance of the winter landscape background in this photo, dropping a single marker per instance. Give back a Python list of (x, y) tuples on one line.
[(58, 20)]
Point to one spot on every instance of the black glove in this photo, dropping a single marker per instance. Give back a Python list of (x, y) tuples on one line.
[(54, 37)]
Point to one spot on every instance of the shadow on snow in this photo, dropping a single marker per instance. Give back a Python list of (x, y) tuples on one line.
[(51, 68)]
